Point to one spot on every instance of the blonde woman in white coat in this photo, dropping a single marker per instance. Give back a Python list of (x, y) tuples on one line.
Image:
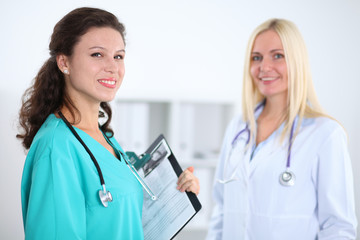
[(284, 169)]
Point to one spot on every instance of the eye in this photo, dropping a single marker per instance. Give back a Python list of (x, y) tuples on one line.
[(119, 57), (278, 56), (256, 58), (96, 54)]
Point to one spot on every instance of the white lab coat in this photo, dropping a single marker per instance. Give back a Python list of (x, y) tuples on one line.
[(255, 206)]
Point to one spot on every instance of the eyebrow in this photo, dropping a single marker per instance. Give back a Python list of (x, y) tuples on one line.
[(273, 50), (95, 47)]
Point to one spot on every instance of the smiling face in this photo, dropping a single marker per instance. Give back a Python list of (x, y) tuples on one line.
[(96, 67), (268, 66)]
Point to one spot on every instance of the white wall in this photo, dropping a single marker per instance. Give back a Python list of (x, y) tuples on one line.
[(177, 48)]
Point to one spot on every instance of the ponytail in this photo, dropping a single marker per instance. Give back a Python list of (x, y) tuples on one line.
[(44, 97), (106, 126)]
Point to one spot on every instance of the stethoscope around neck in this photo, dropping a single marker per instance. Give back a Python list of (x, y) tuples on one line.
[(286, 178), (105, 195)]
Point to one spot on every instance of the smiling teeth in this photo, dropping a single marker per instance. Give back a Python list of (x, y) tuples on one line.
[(268, 79), (108, 82)]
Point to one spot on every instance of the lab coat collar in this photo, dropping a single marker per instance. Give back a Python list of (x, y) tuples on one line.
[(268, 148), (242, 125)]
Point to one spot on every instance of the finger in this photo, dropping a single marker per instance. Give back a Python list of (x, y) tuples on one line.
[(186, 186), (184, 175), (191, 183), (191, 169), (182, 179), (191, 186)]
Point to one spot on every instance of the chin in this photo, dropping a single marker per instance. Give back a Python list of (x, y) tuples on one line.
[(271, 93), (107, 98)]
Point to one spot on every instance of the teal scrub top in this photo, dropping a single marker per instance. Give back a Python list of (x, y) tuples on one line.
[(60, 184)]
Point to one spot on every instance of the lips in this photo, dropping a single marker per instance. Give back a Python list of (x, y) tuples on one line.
[(108, 82)]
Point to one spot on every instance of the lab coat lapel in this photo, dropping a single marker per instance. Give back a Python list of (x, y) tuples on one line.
[(238, 160), (267, 152)]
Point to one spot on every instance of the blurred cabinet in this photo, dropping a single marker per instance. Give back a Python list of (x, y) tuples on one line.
[(193, 129)]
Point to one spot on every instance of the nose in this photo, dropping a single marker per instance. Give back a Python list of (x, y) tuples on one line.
[(266, 64), (111, 65)]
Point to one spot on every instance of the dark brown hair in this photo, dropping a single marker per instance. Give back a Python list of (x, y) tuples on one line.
[(47, 93)]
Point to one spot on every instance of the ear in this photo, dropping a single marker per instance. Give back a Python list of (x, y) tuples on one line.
[(63, 63)]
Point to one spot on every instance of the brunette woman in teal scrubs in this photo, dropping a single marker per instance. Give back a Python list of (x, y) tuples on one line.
[(60, 182)]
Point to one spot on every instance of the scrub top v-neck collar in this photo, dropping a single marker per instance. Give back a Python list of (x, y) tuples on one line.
[(93, 144)]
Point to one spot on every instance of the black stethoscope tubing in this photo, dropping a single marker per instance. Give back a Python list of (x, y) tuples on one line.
[(105, 196), (102, 181)]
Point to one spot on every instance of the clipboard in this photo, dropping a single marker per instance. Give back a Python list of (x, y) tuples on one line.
[(165, 217)]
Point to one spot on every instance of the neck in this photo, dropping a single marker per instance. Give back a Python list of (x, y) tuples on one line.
[(273, 114), (274, 110), (275, 106), (86, 118)]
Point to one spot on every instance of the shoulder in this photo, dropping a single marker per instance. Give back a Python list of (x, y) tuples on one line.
[(323, 127), (324, 124), (53, 134), (53, 129), (51, 145)]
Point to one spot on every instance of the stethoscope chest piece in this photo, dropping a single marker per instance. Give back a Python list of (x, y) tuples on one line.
[(105, 196), (287, 178)]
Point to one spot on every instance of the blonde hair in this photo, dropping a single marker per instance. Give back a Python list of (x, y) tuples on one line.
[(302, 100)]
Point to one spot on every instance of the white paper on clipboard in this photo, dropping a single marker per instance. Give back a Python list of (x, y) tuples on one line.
[(166, 216)]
